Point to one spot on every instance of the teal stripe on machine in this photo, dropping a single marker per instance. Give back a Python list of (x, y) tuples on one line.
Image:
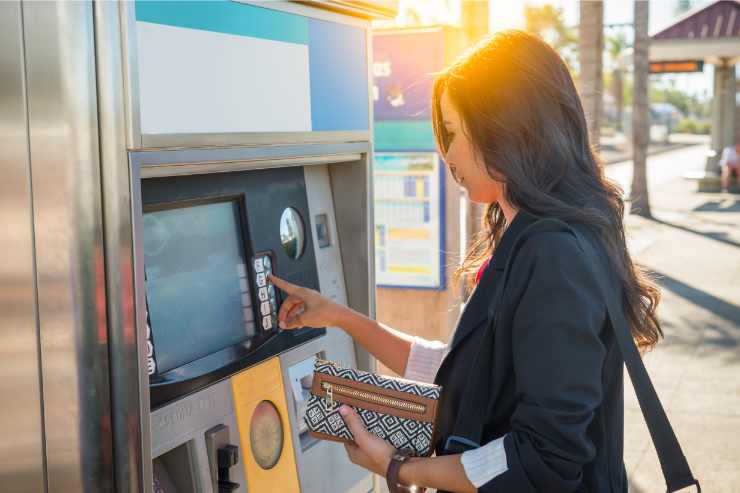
[(225, 17), (404, 136)]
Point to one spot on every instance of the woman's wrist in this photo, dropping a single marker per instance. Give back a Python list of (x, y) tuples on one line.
[(410, 471), (442, 473), (343, 318)]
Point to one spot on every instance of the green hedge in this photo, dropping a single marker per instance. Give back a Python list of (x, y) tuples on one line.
[(691, 126)]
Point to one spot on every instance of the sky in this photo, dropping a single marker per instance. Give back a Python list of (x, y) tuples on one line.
[(508, 13), (505, 14)]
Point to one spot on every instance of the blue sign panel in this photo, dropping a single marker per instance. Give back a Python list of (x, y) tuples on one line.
[(404, 66)]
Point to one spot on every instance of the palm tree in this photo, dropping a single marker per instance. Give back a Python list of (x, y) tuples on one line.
[(548, 22), (591, 78), (640, 116), (615, 47)]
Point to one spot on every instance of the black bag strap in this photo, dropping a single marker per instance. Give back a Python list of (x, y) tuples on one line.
[(673, 462)]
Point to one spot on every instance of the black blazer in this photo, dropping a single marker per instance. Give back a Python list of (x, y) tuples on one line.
[(556, 372)]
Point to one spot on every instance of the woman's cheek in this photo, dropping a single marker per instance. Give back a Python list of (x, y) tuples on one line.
[(484, 193)]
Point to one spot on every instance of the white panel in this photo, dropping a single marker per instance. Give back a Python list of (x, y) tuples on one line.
[(194, 81), (328, 260)]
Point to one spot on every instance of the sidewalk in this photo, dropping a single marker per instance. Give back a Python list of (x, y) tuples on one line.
[(693, 245), (614, 149)]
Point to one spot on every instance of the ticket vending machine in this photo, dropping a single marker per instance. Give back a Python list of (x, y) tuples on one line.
[(161, 158), (254, 158)]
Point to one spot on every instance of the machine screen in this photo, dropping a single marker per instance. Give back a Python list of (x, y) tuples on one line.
[(197, 290)]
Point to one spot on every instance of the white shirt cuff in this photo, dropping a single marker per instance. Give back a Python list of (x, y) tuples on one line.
[(425, 357), (485, 463)]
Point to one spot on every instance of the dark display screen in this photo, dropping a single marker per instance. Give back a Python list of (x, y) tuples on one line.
[(197, 284)]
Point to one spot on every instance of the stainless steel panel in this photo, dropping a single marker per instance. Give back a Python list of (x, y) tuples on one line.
[(256, 138), (178, 421), (140, 336), (187, 420), (21, 445), (128, 409), (65, 170), (353, 206), (130, 73), (215, 160), (154, 171)]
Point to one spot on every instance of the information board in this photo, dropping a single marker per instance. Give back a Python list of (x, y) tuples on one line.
[(409, 213)]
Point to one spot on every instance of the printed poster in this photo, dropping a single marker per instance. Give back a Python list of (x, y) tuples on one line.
[(408, 220)]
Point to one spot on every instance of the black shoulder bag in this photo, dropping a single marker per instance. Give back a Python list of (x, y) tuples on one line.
[(469, 425)]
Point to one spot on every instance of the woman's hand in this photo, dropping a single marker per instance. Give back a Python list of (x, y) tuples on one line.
[(374, 454), (304, 307), (371, 452)]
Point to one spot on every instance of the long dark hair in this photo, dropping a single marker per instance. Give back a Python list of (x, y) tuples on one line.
[(521, 110)]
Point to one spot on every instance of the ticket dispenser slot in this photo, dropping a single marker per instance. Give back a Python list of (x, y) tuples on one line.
[(222, 456), (301, 378)]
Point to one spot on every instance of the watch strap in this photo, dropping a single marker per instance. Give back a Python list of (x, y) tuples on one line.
[(394, 467)]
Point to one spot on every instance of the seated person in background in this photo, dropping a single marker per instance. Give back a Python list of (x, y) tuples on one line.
[(729, 163)]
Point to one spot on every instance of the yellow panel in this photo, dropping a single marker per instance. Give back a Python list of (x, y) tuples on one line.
[(250, 387)]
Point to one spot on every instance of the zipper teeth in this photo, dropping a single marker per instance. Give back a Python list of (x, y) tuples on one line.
[(372, 397)]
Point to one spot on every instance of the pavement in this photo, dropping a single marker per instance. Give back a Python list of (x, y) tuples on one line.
[(616, 148), (692, 247)]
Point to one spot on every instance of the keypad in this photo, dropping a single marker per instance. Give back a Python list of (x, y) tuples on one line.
[(266, 293)]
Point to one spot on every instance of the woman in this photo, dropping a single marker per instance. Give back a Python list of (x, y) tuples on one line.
[(509, 123)]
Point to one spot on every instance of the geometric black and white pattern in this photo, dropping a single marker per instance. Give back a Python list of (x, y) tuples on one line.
[(400, 432), (423, 389)]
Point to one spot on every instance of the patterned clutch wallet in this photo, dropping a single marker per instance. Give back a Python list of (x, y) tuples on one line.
[(400, 411)]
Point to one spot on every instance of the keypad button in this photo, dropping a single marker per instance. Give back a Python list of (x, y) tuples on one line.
[(267, 322), (261, 280), (265, 308), (263, 294), (258, 265)]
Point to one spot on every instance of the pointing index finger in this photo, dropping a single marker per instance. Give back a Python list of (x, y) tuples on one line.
[(282, 284)]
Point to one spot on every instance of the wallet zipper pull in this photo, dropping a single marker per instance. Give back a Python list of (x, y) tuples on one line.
[(329, 393), (372, 398)]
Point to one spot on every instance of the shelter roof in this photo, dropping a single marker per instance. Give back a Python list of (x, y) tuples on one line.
[(710, 33)]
